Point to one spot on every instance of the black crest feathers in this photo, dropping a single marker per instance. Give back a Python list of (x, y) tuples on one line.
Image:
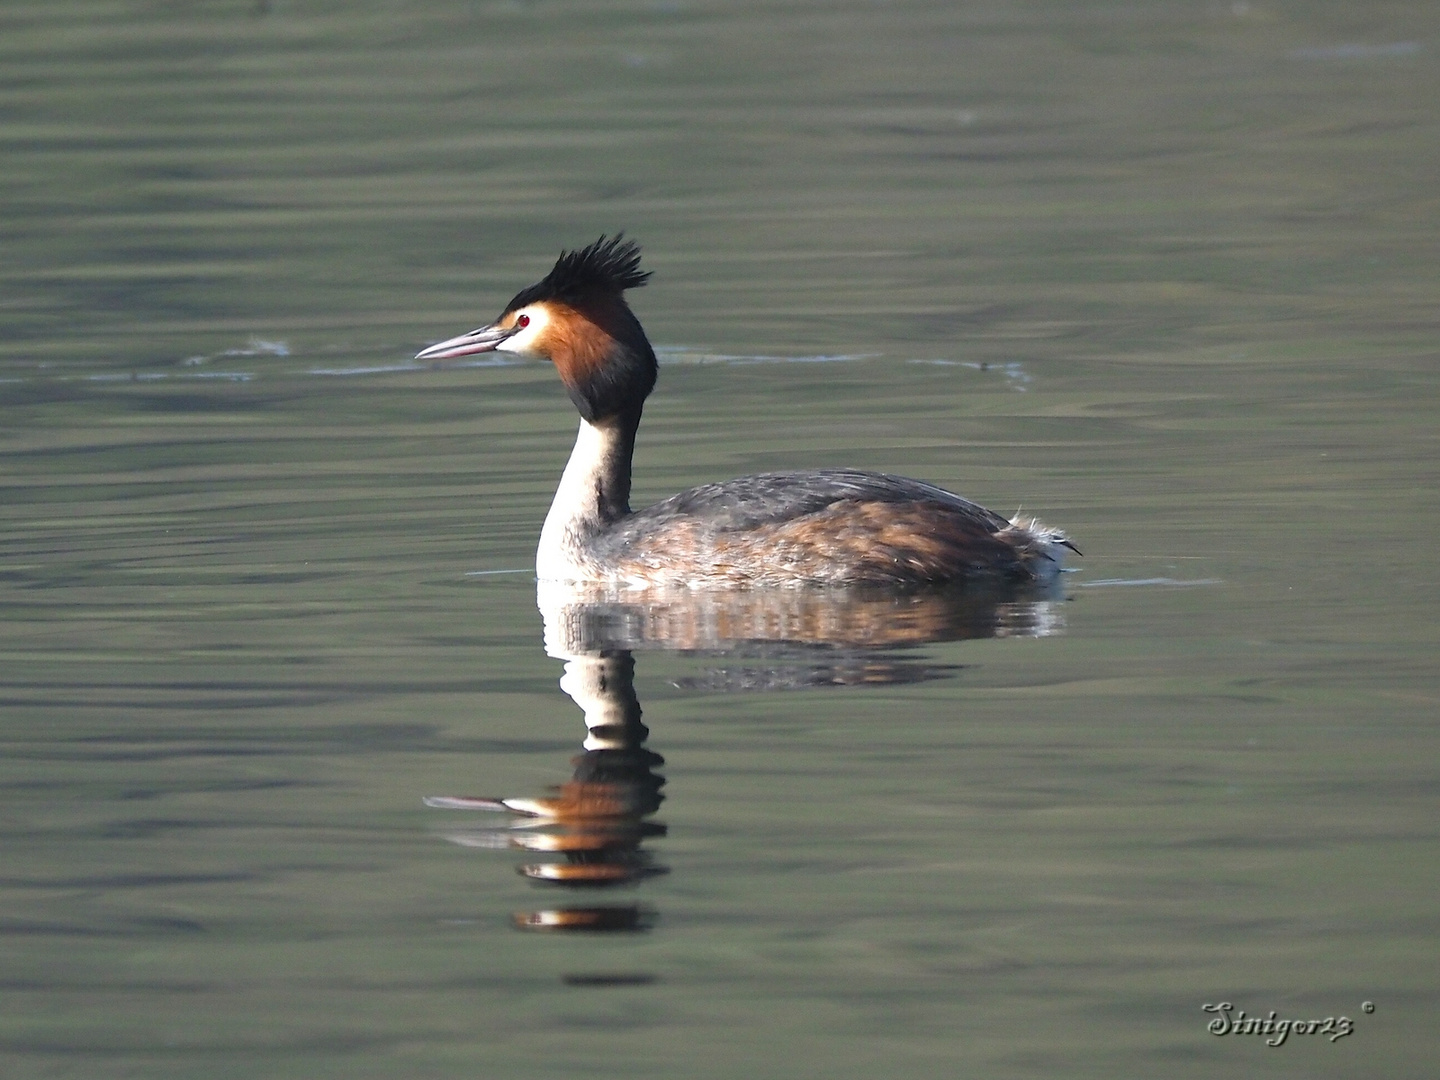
[(608, 266)]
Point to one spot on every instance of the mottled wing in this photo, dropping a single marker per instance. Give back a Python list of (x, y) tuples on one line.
[(834, 526), (750, 502)]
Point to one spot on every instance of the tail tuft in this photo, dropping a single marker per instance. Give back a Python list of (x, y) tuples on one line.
[(1038, 545)]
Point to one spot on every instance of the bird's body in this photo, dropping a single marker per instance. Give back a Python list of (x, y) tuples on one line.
[(831, 527), (826, 527)]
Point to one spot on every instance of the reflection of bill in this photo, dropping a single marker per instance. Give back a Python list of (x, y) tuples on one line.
[(593, 828)]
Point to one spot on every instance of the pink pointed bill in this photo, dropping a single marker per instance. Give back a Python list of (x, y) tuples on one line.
[(486, 339)]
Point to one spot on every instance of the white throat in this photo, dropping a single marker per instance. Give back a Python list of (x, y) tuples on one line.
[(594, 492)]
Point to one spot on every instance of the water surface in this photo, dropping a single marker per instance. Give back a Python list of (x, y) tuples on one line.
[(1163, 275)]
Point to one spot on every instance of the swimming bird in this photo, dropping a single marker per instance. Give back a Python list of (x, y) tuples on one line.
[(822, 527)]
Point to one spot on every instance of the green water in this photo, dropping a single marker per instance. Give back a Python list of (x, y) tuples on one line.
[(1162, 274)]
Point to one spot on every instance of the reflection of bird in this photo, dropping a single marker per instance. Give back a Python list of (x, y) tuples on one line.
[(830, 526), (601, 818)]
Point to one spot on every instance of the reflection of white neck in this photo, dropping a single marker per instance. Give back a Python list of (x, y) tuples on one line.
[(604, 686), (594, 492), (602, 683)]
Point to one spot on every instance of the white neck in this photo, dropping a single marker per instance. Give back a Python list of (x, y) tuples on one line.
[(594, 493)]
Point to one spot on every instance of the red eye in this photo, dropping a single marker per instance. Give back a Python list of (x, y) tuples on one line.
[(522, 321)]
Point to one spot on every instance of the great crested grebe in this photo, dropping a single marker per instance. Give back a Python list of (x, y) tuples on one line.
[(824, 527)]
